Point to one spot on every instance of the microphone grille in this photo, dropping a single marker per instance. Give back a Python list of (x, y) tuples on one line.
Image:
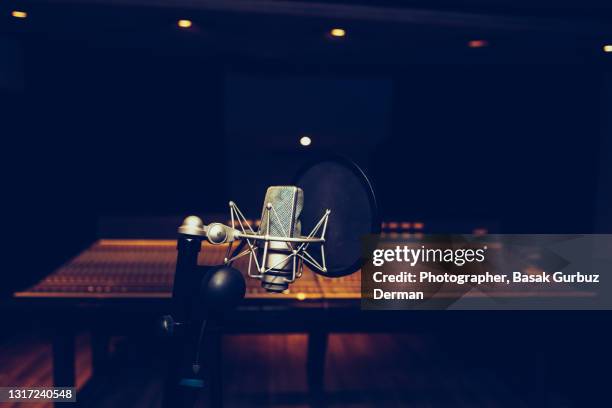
[(287, 202)]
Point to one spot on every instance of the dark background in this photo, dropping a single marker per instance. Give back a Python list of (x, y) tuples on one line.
[(113, 110)]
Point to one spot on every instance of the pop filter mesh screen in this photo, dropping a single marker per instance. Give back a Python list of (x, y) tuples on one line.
[(344, 190)]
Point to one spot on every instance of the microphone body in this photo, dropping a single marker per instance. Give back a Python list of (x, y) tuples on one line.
[(280, 217)]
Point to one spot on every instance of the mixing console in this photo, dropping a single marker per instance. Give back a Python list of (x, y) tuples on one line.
[(145, 268)]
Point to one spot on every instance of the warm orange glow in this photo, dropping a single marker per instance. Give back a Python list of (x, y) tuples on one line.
[(338, 32), (19, 14), (184, 23), (300, 296), (477, 43), (418, 225), (393, 225), (607, 48)]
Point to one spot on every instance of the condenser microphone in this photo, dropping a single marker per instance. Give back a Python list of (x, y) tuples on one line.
[(277, 250), (284, 221), (293, 230)]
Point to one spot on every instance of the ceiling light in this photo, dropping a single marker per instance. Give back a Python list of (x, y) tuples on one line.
[(338, 32), (19, 14), (184, 23), (477, 43), (305, 141)]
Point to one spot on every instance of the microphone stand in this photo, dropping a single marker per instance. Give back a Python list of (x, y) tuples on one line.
[(179, 326), (200, 293)]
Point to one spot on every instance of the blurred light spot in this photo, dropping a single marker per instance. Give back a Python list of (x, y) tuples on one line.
[(305, 141), (300, 296), (479, 232), (19, 14), (338, 32), (418, 225), (184, 23), (607, 48), (477, 43)]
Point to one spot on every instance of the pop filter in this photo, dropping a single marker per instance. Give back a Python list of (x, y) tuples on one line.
[(340, 185)]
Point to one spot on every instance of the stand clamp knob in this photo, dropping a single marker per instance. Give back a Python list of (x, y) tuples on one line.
[(167, 325)]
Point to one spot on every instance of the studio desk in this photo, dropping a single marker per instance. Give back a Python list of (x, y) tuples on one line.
[(123, 286)]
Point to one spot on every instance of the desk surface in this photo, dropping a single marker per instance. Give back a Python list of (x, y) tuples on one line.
[(125, 269)]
